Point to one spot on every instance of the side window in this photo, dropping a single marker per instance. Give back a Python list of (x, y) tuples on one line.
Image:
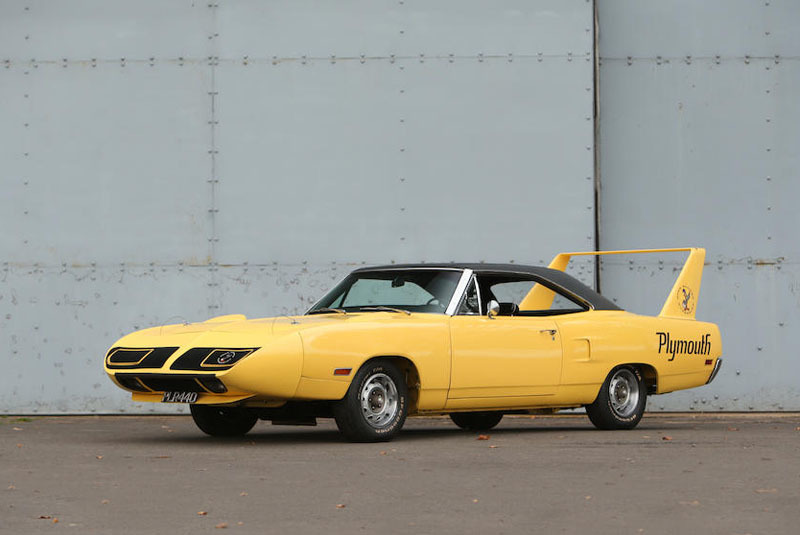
[(562, 303), (513, 289), (470, 305)]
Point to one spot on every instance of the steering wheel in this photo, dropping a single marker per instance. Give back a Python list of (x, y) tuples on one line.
[(434, 301)]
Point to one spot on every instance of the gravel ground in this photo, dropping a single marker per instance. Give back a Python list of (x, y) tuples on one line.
[(675, 473)]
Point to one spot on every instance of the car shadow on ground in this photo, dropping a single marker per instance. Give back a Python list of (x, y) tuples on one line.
[(264, 434)]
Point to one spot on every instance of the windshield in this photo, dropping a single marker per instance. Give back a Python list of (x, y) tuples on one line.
[(418, 290)]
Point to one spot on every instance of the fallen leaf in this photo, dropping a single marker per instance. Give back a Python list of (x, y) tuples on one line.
[(242, 493), (475, 500), (666, 437), (99, 457), (383, 452), (11, 487), (341, 505), (202, 513), (797, 428), (645, 436), (693, 503), (733, 429), (492, 446), (483, 437), (45, 517), (17, 428), (55, 521), (221, 525), (19, 445), (766, 491), (588, 497), (104, 502), (240, 523)]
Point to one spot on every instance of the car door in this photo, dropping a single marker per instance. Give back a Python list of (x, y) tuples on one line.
[(504, 360)]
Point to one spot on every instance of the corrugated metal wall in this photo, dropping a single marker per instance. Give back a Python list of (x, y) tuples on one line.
[(178, 160), (700, 145)]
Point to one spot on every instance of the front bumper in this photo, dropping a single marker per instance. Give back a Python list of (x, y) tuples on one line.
[(165, 382)]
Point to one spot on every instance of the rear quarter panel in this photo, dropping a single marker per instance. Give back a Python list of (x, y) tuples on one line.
[(595, 342)]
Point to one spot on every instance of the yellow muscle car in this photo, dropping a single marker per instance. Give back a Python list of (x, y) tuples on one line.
[(475, 341)]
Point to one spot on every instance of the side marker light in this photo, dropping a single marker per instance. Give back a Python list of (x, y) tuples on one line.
[(342, 371)]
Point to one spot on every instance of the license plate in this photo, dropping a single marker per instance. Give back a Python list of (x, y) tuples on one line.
[(179, 397)]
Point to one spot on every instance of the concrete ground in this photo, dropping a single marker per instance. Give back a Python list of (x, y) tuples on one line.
[(687, 473)]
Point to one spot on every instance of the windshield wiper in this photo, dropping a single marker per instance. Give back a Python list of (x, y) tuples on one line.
[(325, 311), (386, 309)]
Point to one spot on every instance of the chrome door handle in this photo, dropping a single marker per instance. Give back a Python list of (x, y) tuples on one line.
[(551, 332)]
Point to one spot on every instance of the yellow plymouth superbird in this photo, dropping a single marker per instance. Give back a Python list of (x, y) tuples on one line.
[(475, 341)]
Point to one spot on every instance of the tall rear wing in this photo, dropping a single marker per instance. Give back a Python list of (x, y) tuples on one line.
[(682, 299)]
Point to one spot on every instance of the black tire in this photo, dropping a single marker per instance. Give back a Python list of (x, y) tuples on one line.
[(621, 401), (223, 421), (476, 421), (376, 404)]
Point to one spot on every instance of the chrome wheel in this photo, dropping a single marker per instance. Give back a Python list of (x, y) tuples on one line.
[(379, 400), (623, 391)]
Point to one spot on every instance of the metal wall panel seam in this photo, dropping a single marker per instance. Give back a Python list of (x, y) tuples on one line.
[(247, 60), (214, 301)]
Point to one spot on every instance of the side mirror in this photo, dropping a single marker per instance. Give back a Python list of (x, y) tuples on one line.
[(493, 309)]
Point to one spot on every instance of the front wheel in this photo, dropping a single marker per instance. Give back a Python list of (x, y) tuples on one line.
[(376, 404), (223, 421), (621, 401), (476, 421)]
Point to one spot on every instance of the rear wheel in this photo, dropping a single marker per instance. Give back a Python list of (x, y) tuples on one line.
[(621, 401), (376, 404), (223, 421), (476, 421)]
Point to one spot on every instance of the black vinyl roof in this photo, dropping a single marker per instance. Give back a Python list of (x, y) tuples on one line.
[(553, 276)]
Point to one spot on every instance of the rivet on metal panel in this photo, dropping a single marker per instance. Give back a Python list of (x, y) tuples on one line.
[(738, 372), (688, 60), (274, 60), (747, 59), (510, 58), (569, 56), (780, 324), (717, 59), (422, 58), (303, 59), (777, 59), (121, 62), (244, 60), (451, 58), (539, 57), (64, 62), (630, 60), (480, 57), (180, 61), (759, 348), (333, 59), (658, 60)]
